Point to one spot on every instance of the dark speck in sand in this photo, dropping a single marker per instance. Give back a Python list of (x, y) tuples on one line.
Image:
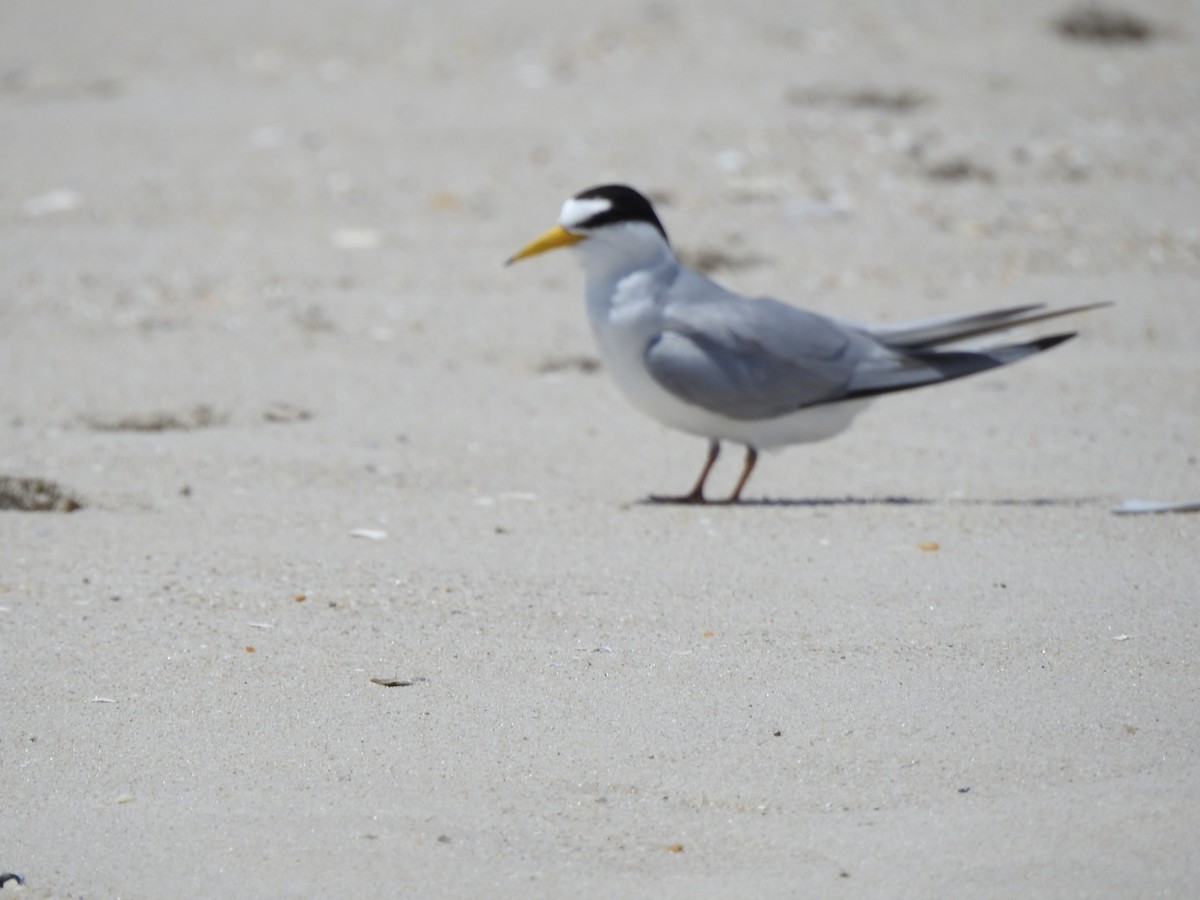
[(36, 495), (1108, 26)]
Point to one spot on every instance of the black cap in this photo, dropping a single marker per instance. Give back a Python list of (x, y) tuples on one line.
[(625, 205)]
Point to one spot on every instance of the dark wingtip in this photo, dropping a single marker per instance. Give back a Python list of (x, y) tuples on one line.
[(1052, 340)]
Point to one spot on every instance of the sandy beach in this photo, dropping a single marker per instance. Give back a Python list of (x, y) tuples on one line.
[(326, 566)]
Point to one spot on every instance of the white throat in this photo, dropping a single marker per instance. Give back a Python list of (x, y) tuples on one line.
[(614, 251)]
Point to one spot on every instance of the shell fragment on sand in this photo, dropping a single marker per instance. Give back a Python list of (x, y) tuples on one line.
[(1135, 507)]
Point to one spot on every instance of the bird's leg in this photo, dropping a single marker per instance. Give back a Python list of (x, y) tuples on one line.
[(697, 492), (747, 468)]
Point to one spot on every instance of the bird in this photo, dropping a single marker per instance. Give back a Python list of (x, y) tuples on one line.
[(755, 371)]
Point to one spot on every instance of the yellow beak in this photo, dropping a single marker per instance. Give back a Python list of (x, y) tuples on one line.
[(554, 238)]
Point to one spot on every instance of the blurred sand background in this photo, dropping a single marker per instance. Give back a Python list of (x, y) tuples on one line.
[(254, 320)]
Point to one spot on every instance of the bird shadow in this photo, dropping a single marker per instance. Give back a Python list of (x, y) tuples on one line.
[(829, 502)]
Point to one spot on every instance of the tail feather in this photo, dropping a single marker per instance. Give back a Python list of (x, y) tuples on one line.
[(918, 335)]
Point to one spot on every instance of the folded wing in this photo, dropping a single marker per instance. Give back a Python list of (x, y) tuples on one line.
[(758, 359)]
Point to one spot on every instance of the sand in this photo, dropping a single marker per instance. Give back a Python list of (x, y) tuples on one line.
[(254, 321)]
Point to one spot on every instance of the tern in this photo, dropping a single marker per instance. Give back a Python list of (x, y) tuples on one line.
[(702, 359)]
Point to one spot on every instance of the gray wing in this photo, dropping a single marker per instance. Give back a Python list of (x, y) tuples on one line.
[(755, 359)]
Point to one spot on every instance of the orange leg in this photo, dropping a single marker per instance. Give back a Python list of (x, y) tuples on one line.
[(747, 468), (697, 492)]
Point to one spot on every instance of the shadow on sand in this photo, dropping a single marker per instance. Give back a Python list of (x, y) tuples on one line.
[(820, 502)]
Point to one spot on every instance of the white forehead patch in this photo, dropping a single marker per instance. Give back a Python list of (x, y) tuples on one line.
[(576, 211)]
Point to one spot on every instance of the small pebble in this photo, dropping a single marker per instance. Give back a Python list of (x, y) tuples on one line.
[(356, 239), (56, 201)]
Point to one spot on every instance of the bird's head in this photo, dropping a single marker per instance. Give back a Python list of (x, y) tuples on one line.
[(610, 226)]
